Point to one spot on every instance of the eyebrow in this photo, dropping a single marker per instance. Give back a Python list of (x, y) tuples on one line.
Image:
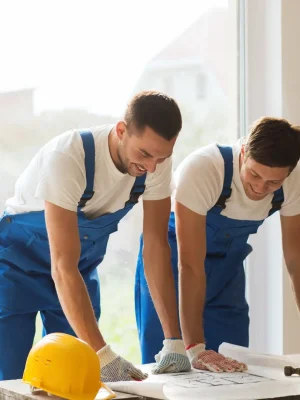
[(146, 152), (149, 155), (269, 180), (254, 172)]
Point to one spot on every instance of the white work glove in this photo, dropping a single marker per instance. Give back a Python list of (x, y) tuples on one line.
[(172, 358), (115, 368), (209, 360)]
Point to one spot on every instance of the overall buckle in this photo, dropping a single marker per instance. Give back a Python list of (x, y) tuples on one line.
[(135, 194), (84, 199), (223, 198)]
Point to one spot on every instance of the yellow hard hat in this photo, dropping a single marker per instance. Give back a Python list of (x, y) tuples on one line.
[(65, 366)]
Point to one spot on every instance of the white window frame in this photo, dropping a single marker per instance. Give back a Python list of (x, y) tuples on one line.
[(272, 88)]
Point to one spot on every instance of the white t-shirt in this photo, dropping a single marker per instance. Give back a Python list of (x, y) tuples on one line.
[(57, 174), (199, 181)]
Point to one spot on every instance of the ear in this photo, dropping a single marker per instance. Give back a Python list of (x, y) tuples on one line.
[(120, 129), (242, 153)]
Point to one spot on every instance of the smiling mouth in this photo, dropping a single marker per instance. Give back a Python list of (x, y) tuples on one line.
[(141, 169), (260, 194)]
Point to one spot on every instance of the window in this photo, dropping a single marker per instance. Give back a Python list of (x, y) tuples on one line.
[(72, 65), (168, 85), (200, 86)]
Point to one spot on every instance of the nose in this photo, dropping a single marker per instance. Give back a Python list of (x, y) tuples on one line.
[(151, 165), (261, 187)]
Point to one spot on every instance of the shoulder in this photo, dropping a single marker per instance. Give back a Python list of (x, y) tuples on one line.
[(199, 179), (207, 159), (65, 143), (293, 178), (291, 185), (291, 191), (70, 142), (101, 133)]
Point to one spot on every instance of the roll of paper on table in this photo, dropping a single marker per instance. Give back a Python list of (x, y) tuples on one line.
[(289, 371)]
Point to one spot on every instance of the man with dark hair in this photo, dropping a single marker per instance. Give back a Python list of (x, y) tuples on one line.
[(55, 230), (224, 193)]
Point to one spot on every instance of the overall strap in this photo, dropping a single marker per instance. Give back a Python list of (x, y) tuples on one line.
[(226, 152), (137, 190), (89, 161), (277, 201)]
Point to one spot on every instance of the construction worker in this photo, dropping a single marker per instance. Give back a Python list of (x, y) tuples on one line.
[(55, 230), (223, 194)]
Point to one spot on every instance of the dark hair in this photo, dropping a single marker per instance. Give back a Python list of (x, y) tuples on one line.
[(274, 142), (155, 110)]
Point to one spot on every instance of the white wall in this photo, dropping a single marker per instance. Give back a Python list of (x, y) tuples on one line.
[(272, 88)]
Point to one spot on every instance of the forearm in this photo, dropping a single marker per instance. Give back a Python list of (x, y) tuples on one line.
[(161, 284), (76, 304), (294, 272), (192, 289)]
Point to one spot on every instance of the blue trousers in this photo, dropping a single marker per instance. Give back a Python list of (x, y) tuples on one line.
[(22, 295), (225, 314)]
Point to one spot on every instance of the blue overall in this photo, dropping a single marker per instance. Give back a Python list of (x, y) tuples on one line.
[(225, 316), (26, 286)]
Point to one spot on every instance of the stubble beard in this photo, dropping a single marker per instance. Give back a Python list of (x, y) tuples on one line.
[(122, 165)]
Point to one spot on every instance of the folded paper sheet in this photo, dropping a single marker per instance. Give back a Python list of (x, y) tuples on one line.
[(244, 354)]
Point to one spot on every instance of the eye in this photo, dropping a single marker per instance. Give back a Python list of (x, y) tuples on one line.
[(144, 154), (275, 182), (254, 174)]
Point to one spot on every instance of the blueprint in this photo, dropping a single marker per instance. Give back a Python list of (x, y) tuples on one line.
[(199, 379)]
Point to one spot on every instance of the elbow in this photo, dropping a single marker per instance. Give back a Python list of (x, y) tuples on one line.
[(56, 272), (184, 267), (61, 270), (292, 268), (156, 250), (191, 269)]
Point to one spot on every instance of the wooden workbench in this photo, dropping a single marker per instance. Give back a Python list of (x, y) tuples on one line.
[(17, 390)]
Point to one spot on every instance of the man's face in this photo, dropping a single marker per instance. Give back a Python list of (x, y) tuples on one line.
[(259, 180), (141, 152)]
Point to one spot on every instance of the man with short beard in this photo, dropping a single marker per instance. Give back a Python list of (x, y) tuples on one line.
[(55, 230), (224, 193)]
